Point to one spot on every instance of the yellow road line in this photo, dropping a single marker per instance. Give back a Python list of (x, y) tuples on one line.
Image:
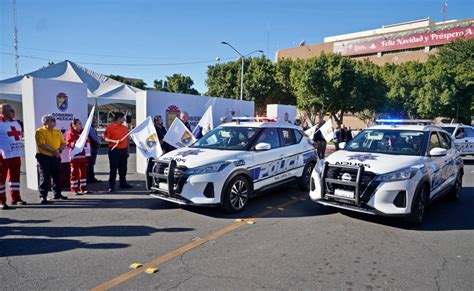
[(179, 251)]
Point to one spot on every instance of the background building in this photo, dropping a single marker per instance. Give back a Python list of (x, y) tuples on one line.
[(395, 43)]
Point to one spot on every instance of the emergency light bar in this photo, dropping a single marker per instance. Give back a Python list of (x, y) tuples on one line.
[(403, 121), (254, 119)]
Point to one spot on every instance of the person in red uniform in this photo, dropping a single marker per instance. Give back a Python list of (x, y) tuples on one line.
[(78, 162), (115, 135), (10, 168)]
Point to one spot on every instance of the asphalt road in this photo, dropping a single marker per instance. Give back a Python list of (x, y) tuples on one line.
[(89, 241)]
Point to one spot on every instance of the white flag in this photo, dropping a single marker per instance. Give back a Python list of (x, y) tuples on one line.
[(11, 142), (327, 130), (310, 131), (146, 139), (179, 135), (205, 124), (81, 142)]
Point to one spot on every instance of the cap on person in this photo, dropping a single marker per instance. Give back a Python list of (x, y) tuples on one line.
[(47, 118)]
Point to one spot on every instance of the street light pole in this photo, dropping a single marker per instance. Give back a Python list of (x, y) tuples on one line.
[(242, 57), (242, 80)]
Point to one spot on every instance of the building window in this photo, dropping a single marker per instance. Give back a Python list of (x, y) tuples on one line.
[(416, 49)]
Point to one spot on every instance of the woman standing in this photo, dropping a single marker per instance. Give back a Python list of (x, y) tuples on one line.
[(79, 161)]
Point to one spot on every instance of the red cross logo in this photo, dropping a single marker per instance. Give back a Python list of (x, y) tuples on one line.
[(16, 134)]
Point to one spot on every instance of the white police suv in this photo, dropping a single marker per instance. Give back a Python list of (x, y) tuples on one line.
[(390, 169), (463, 137), (232, 163)]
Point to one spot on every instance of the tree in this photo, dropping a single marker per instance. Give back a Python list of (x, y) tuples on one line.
[(176, 83), (449, 82), (223, 80), (404, 82), (133, 82), (160, 85), (259, 81)]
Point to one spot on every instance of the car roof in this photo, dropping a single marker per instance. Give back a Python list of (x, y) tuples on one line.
[(264, 124), (452, 125)]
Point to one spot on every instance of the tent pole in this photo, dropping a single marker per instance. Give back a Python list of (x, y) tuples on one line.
[(97, 110)]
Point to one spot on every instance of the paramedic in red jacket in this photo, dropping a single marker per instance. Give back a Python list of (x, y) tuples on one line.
[(10, 167), (78, 162)]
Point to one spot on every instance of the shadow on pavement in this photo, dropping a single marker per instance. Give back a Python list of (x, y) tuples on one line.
[(441, 215), (260, 204), (78, 231), (55, 242), (34, 246)]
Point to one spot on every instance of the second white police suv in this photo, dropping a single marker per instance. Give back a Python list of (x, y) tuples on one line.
[(392, 169), (232, 163)]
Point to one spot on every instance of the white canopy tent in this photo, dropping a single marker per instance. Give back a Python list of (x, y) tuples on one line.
[(101, 89)]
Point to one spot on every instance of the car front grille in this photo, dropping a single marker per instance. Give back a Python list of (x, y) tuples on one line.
[(160, 169), (367, 185)]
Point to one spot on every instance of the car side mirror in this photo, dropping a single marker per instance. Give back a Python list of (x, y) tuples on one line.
[(459, 136), (438, 152), (342, 145), (263, 146)]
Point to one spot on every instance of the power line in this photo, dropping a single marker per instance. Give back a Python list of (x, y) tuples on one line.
[(121, 64), (99, 55)]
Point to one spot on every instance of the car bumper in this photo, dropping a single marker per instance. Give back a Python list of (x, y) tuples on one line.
[(382, 201), (192, 192)]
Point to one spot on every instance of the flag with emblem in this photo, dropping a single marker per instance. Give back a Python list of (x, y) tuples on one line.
[(81, 142), (204, 125), (11, 140), (179, 135), (327, 130), (146, 139)]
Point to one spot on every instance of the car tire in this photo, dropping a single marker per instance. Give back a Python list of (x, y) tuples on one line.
[(305, 179), (236, 195), (415, 218), (456, 191)]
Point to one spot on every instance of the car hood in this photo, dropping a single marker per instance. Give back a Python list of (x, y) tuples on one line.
[(373, 162), (195, 157)]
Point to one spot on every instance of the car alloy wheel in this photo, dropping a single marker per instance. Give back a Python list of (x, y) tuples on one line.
[(239, 194)]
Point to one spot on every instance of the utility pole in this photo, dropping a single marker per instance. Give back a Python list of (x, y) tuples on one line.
[(15, 39)]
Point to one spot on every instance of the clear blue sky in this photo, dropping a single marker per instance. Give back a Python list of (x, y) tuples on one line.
[(179, 31)]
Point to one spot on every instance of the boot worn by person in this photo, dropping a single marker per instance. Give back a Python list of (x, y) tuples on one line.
[(44, 200), (4, 206), (19, 202)]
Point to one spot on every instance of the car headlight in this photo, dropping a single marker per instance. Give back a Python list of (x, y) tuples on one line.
[(211, 168), (401, 175)]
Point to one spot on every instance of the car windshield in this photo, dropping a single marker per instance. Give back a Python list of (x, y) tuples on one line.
[(449, 129), (227, 138), (395, 142)]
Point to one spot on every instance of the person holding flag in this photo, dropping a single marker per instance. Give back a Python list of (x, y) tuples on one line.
[(146, 139), (179, 135), (78, 161), (204, 125), (323, 134), (10, 162), (116, 136)]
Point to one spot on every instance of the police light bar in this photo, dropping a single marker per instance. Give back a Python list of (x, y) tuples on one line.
[(254, 119), (403, 121)]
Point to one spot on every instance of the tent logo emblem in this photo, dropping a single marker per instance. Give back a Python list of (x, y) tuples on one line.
[(172, 112), (62, 101), (186, 138), (152, 140)]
